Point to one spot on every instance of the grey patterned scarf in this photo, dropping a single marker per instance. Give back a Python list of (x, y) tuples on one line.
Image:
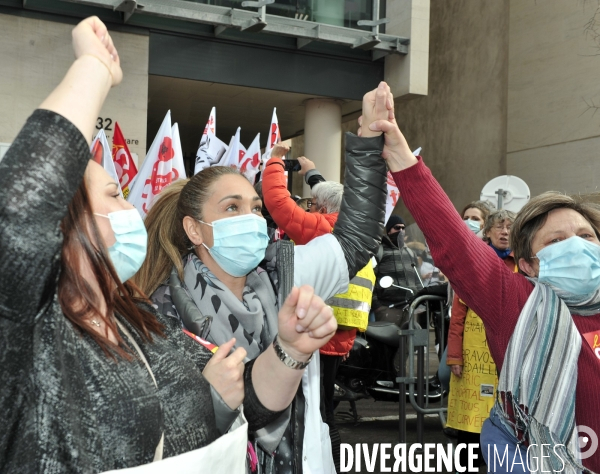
[(252, 321), (536, 390)]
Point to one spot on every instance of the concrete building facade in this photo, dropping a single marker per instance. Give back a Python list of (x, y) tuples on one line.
[(313, 60), (485, 88)]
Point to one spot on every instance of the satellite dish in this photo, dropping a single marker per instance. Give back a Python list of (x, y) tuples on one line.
[(506, 192)]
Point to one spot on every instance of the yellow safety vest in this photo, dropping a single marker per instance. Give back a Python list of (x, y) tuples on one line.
[(352, 308)]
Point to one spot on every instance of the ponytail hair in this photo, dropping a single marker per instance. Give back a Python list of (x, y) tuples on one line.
[(167, 240)]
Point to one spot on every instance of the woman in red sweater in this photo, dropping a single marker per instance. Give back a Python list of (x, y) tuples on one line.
[(543, 324)]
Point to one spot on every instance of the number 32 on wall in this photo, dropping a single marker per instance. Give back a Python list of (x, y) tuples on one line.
[(104, 123)]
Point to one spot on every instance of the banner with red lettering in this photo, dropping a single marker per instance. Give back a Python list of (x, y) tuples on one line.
[(251, 161), (101, 154), (160, 168), (124, 164)]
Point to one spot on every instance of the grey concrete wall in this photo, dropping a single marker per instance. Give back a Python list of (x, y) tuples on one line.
[(554, 95), (461, 123), (36, 54)]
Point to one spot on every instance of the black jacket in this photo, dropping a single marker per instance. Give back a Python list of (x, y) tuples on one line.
[(398, 264)]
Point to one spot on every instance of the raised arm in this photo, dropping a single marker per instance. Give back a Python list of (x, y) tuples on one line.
[(360, 223), (476, 273), (311, 174), (42, 170), (299, 225)]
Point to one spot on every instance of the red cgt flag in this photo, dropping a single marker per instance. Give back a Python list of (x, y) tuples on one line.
[(124, 164)]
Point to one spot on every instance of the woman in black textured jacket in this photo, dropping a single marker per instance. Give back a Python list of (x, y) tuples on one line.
[(91, 377)]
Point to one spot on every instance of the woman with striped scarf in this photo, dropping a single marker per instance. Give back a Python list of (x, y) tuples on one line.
[(543, 323)]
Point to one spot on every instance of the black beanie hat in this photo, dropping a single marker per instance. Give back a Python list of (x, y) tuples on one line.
[(392, 221)]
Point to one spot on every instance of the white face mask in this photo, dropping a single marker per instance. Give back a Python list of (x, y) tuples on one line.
[(128, 253), (473, 225), (572, 265), (239, 243)]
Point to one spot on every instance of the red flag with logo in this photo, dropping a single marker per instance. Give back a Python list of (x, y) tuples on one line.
[(124, 164)]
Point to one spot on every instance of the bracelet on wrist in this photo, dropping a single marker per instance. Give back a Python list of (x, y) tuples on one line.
[(288, 360)]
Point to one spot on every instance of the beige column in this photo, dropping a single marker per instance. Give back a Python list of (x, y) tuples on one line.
[(323, 137)]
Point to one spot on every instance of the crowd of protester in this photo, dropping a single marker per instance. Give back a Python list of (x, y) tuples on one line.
[(126, 341)]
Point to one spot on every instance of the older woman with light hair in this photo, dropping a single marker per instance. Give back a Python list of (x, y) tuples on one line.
[(326, 197), (496, 231)]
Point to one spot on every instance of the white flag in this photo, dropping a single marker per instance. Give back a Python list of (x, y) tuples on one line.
[(273, 138), (178, 164), (251, 161), (234, 150), (102, 154), (160, 168), (393, 194), (274, 135), (211, 149)]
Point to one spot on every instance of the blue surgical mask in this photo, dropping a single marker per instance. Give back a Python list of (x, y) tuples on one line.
[(129, 251), (572, 265), (473, 225), (239, 243)]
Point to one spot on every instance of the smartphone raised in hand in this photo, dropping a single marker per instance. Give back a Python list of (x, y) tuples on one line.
[(291, 165)]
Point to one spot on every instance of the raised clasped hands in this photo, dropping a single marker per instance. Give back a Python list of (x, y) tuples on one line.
[(91, 38), (306, 323), (378, 117)]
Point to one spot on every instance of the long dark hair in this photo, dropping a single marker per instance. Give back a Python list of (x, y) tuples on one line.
[(78, 300)]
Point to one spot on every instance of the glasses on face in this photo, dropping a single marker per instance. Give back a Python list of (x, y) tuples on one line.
[(501, 227), (310, 204), (398, 227)]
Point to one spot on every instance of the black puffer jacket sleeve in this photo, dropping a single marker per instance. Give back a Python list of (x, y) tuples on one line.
[(313, 177), (360, 223)]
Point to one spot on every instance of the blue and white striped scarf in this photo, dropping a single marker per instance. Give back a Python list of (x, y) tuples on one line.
[(536, 390)]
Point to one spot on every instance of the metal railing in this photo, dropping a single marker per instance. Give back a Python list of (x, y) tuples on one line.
[(416, 338), (223, 18)]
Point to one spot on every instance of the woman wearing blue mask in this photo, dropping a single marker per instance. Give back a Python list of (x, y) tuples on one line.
[(92, 378), (210, 267), (475, 214), (542, 324), (474, 379)]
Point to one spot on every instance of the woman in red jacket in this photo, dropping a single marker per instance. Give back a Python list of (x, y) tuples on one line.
[(542, 324)]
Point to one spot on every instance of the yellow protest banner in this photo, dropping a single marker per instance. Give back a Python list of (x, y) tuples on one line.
[(472, 396)]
